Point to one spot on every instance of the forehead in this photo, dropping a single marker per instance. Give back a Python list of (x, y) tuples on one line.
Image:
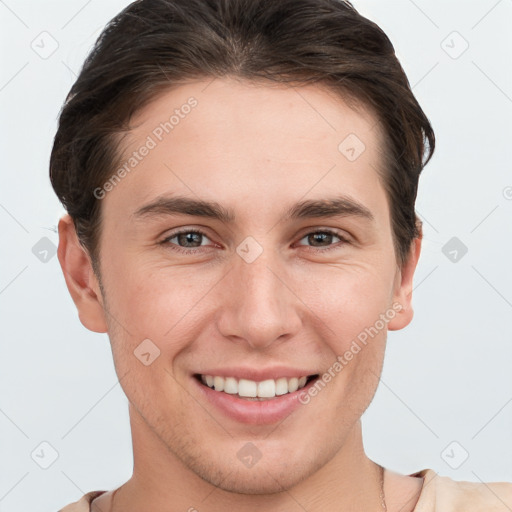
[(251, 143), (264, 108)]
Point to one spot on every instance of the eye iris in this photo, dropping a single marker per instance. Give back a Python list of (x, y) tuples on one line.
[(320, 237), (189, 237)]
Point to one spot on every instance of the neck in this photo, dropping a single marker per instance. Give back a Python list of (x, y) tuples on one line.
[(349, 481)]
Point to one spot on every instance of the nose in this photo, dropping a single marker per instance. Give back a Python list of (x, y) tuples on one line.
[(258, 305)]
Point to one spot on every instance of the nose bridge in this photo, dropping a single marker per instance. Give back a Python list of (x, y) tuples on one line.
[(259, 308)]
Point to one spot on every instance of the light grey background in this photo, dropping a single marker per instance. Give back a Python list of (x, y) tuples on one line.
[(446, 377)]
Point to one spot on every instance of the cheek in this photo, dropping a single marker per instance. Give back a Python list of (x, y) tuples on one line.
[(349, 299), (166, 305), (151, 299)]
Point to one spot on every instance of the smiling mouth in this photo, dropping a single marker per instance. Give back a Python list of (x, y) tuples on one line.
[(252, 390)]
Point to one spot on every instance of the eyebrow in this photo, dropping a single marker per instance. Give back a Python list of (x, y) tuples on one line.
[(339, 206)]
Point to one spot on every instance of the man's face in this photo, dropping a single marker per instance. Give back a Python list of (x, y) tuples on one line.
[(263, 295)]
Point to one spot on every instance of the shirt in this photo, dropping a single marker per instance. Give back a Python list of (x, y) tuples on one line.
[(438, 494)]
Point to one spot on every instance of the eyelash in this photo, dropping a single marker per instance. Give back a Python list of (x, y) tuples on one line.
[(195, 250)]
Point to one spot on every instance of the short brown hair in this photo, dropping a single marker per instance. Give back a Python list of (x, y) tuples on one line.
[(153, 45)]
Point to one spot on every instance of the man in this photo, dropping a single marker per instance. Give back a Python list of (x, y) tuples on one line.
[(240, 178)]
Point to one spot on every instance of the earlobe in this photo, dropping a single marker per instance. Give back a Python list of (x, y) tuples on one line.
[(403, 290), (80, 279)]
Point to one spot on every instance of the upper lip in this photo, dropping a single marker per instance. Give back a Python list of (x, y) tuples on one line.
[(259, 374)]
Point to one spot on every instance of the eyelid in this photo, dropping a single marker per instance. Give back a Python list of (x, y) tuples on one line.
[(344, 240), (170, 233), (326, 229), (179, 231)]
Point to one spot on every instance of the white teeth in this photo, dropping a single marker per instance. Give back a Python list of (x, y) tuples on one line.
[(230, 386), (269, 388), (293, 384), (247, 388), (281, 386), (218, 383)]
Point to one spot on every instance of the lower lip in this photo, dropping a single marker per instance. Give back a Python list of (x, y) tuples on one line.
[(254, 412)]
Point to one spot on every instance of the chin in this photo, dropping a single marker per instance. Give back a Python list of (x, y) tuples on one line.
[(278, 470), (256, 480)]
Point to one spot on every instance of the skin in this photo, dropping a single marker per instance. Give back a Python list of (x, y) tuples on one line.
[(256, 149)]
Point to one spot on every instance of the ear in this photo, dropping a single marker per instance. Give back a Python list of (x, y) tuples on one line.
[(80, 279), (403, 287)]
